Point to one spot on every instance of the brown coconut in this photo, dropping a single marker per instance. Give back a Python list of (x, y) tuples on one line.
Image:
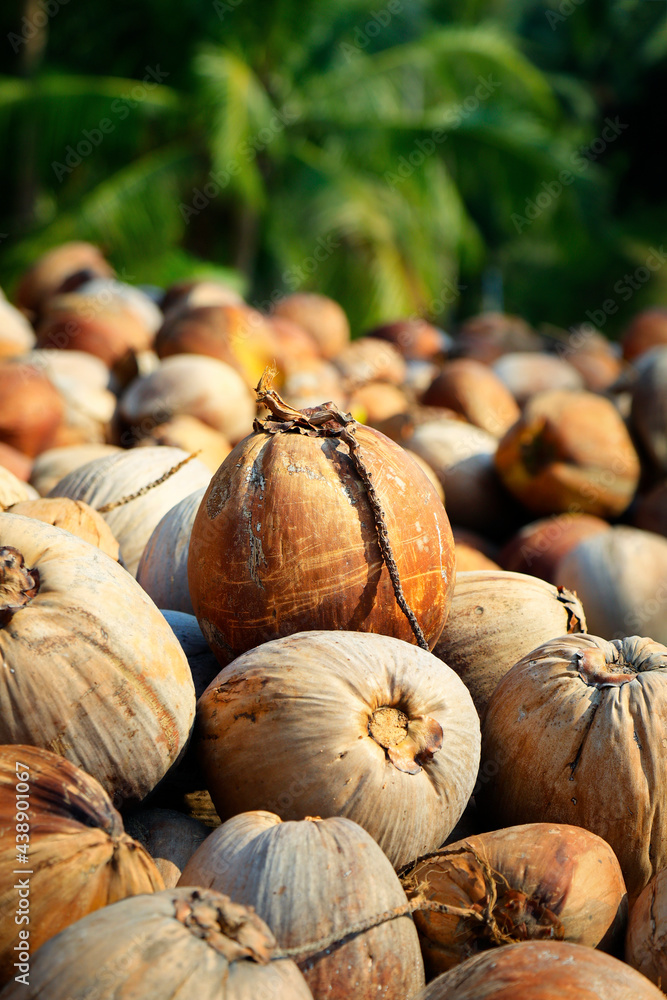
[(541, 970), (323, 318), (45, 277), (307, 553), (525, 373), (75, 854), (538, 547), (647, 330), (541, 881), (473, 390), (236, 334), (574, 734), (31, 408), (569, 450), (416, 339), (621, 576)]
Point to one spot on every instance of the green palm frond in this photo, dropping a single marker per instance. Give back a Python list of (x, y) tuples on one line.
[(240, 119), (415, 84), (133, 214)]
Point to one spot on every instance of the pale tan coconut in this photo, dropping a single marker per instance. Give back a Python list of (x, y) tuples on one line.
[(496, 618)]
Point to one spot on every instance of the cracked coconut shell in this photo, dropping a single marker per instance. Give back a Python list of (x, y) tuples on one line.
[(170, 945), (319, 880), (575, 733), (91, 670), (78, 857), (363, 726), (541, 881)]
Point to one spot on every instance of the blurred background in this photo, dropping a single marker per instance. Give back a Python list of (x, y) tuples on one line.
[(405, 157)]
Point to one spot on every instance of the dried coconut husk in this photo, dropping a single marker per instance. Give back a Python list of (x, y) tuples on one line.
[(16, 334), (13, 490), (387, 716), (462, 456), (540, 882), (190, 294), (621, 577), (78, 856), (649, 408), (293, 344), (15, 461), (133, 490), (74, 516), (104, 290), (169, 837), (31, 408), (475, 391), (369, 359), (594, 357), (110, 330), (416, 339), (573, 733), (525, 373), (314, 379), (489, 335), (54, 464), (192, 385), (401, 427), (538, 547), (569, 450), (646, 941), (541, 970), (163, 567), (497, 617), (166, 946), (376, 402), (193, 435), (44, 278), (92, 670), (647, 330), (239, 336), (321, 880), (323, 318)]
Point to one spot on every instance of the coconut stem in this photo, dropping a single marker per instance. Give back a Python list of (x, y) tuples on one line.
[(406, 909), (146, 489), (343, 426)]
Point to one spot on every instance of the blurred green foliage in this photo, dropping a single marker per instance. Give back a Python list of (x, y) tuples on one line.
[(405, 157)]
